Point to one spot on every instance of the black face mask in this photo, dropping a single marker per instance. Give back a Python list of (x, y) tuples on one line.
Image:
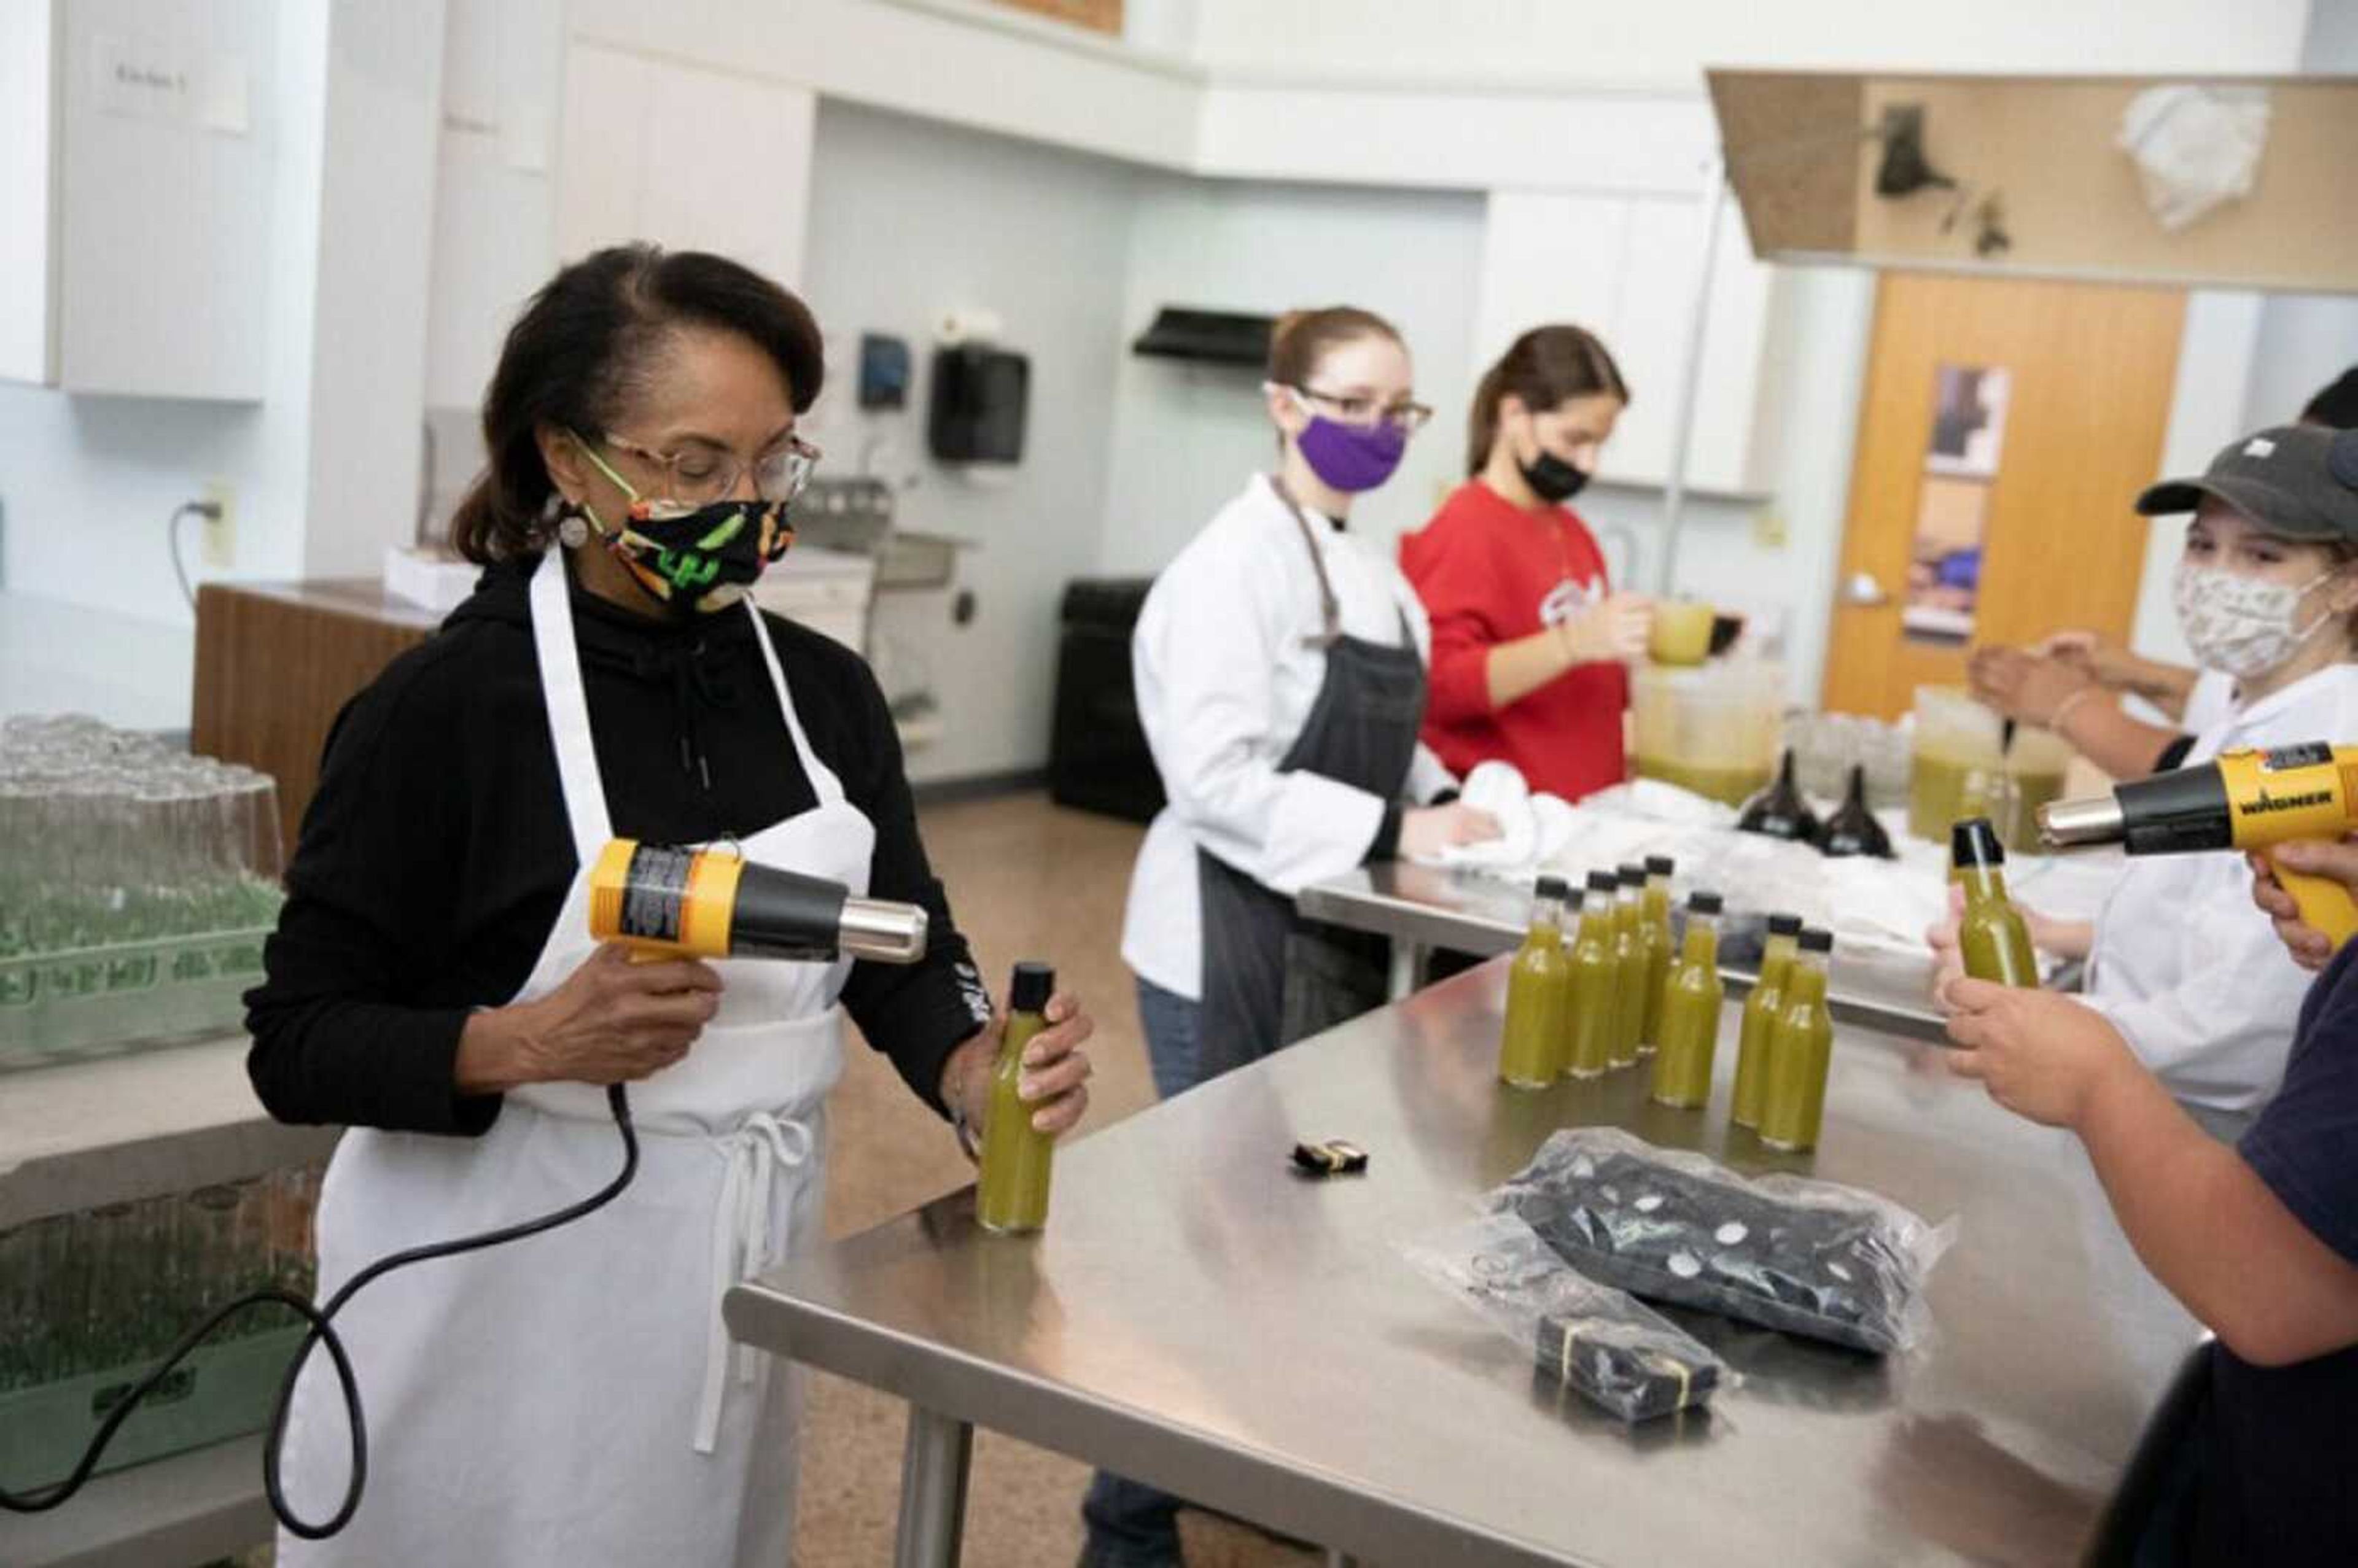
[(1552, 478)]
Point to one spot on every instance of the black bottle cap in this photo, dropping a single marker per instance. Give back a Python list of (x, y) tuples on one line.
[(1603, 882), (1033, 986), (1974, 842), (1633, 876), (1784, 925), (1704, 903), (1551, 887), (1661, 866), (1817, 940)]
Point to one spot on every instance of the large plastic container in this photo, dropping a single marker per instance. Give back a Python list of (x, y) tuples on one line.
[(1712, 727), (90, 1301), (136, 886), (1963, 767)]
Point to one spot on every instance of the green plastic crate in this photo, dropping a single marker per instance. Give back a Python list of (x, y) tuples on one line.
[(226, 1389), (91, 1001)]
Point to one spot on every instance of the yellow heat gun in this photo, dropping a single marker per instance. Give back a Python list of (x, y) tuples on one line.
[(666, 903), (2242, 800)]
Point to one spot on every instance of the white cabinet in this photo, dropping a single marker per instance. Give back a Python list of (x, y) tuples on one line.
[(494, 186), (1624, 266), (691, 159), (135, 191)]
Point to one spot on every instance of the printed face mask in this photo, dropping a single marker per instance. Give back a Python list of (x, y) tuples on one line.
[(702, 558), (2241, 625)]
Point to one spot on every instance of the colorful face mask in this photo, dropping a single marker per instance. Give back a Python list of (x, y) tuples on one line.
[(1350, 457), (2241, 625), (701, 557)]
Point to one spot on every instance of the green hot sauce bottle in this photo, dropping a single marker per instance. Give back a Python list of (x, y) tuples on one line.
[(1691, 995), (1630, 951), (1539, 994), (1012, 1195), (1662, 947), (1595, 978), (1991, 937), (1760, 1017), (1801, 1051)]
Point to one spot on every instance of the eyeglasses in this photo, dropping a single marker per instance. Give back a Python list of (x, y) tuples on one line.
[(1405, 416), (699, 473)]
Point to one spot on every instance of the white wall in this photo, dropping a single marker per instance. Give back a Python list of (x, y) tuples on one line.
[(1186, 437), (908, 219), (1505, 41)]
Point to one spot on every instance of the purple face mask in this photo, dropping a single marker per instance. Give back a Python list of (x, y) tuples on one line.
[(1351, 458)]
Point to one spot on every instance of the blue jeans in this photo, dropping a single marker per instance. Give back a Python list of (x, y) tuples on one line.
[(1130, 1524), (1173, 1047)]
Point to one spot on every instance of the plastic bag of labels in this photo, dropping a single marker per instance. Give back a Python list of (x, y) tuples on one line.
[(1807, 1256), (1604, 1344)]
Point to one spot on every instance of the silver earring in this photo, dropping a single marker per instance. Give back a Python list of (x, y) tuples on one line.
[(571, 531)]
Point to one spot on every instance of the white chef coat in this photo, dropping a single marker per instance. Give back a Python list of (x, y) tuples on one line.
[(2184, 964), (1227, 669), (2211, 701)]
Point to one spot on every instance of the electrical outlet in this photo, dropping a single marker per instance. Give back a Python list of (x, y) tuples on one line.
[(220, 532), (1768, 528)]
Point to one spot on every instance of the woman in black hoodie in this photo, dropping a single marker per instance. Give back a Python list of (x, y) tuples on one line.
[(432, 984)]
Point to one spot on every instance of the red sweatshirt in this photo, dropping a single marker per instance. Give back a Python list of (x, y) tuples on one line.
[(1489, 573)]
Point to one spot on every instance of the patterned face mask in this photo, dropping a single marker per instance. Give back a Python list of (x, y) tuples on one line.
[(2241, 625), (705, 557)]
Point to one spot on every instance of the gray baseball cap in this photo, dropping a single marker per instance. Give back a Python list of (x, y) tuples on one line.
[(2299, 481)]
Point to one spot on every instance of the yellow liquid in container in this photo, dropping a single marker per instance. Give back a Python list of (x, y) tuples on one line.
[(1681, 633), (1596, 976), (1539, 997), (1692, 994), (1012, 1192), (1660, 952), (1991, 935), (1752, 1038), (1729, 785), (1800, 1054), (1629, 987)]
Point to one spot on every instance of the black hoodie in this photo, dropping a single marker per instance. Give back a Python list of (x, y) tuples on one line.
[(437, 854)]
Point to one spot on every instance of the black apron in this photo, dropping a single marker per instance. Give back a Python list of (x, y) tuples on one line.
[(1270, 976)]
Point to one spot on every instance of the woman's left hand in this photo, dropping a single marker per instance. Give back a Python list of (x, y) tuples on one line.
[(2022, 688), (1055, 1069), (2040, 1054)]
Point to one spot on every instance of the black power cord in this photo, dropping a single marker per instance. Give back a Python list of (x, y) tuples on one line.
[(323, 1331)]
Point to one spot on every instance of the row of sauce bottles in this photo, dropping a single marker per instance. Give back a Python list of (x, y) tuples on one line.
[(1618, 986)]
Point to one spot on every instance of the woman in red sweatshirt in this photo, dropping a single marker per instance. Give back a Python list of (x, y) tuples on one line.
[(1529, 639)]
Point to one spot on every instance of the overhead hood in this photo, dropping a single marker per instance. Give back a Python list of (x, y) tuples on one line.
[(1210, 337)]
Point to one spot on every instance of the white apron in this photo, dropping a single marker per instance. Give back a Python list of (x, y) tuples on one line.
[(570, 1398)]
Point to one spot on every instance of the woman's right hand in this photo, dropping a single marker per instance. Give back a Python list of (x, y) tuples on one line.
[(1616, 628), (1429, 829), (612, 1021)]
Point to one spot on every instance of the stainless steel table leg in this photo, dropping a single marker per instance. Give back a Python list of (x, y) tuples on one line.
[(1407, 966), (1340, 1559), (933, 1490)]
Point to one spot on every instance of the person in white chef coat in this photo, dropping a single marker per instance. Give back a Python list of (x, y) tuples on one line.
[(1279, 665), (1281, 672), (2179, 961)]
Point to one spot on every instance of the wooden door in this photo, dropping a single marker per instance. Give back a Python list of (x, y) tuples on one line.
[(2089, 371)]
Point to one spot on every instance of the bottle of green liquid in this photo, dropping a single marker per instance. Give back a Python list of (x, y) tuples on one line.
[(1801, 1051), (1691, 998), (1012, 1195), (1595, 979), (1991, 937), (1539, 992), (1630, 951), (1662, 947), (1761, 1017)]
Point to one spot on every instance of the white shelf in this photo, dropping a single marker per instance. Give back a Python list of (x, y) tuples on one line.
[(123, 1128), (187, 1509)]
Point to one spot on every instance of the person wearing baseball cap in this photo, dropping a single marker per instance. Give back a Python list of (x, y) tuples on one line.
[(2179, 964), (2259, 1238)]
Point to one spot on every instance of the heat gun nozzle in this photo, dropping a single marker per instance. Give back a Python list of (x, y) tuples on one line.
[(2092, 820), (883, 932)]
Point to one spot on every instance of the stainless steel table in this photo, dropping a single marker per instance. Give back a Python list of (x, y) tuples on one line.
[(1197, 1318), (1421, 908)]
